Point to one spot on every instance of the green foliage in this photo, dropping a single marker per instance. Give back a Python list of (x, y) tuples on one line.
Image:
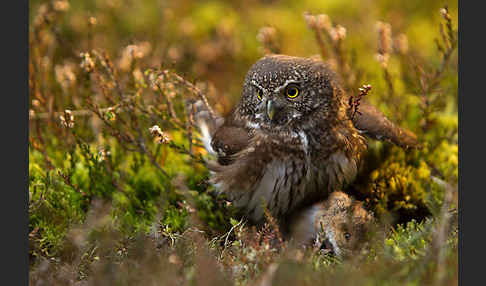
[(409, 241), (54, 207)]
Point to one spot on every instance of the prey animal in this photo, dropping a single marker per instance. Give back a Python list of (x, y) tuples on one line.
[(339, 225)]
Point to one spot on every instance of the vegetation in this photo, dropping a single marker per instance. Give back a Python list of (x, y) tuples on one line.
[(118, 185)]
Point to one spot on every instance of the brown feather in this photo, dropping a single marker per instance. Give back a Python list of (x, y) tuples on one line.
[(229, 140), (373, 123)]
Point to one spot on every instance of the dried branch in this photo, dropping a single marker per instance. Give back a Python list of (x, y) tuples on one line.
[(354, 101)]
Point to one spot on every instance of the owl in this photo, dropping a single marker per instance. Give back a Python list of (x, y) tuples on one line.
[(291, 139)]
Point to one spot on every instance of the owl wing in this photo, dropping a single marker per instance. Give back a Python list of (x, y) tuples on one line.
[(229, 140), (373, 123), (206, 121), (221, 136)]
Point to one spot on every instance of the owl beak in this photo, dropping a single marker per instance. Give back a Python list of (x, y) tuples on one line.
[(270, 109)]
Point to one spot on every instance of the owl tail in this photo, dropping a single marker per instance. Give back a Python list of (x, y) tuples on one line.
[(205, 120), (373, 123)]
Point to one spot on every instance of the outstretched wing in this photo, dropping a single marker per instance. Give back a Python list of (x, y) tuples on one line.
[(220, 137), (206, 120), (373, 123)]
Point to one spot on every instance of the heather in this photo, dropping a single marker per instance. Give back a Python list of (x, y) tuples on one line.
[(118, 182)]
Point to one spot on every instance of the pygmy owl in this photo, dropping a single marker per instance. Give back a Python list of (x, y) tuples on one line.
[(290, 140)]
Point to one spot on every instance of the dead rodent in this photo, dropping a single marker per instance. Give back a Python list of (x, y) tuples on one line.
[(339, 225)]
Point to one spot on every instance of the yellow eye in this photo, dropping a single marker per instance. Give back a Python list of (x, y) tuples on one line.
[(260, 94), (292, 91)]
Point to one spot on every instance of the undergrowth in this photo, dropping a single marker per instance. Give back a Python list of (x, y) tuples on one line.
[(118, 184)]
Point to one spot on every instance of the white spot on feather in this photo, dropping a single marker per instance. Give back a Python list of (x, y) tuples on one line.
[(206, 137), (304, 141), (287, 82), (257, 85), (253, 125)]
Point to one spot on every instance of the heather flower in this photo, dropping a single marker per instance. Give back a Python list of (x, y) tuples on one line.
[(384, 37), (87, 63), (310, 20), (323, 22), (61, 6), (132, 52), (266, 34), (137, 75), (92, 21), (159, 135), (401, 44), (41, 16), (445, 14), (67, 120), (65, 75), (36, 103), (384, 42), (338, 33)]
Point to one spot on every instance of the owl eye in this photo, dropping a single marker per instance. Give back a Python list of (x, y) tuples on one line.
[(347, 236), (292, 91), (260, 94)]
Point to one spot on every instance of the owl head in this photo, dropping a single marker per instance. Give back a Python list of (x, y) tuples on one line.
[(282, 92)]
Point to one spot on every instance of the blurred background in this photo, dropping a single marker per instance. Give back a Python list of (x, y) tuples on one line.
[(217, 41)]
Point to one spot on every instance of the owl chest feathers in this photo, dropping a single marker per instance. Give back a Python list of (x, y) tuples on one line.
[(284, 174)]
